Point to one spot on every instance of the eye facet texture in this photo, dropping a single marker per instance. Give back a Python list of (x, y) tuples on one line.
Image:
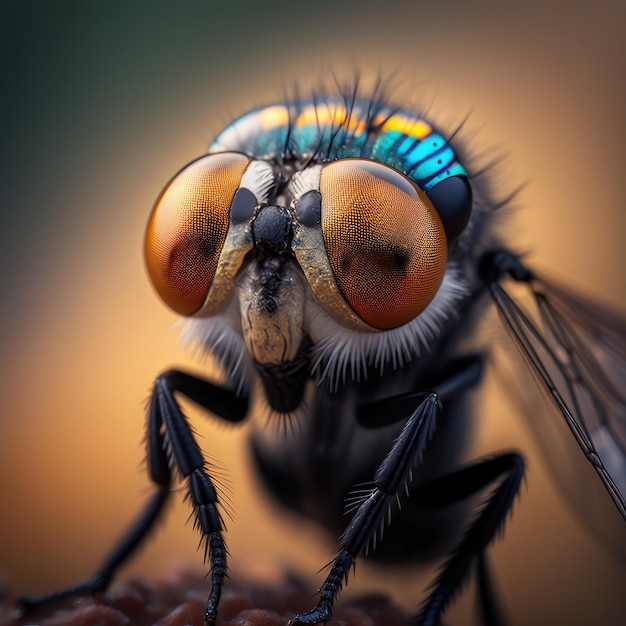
[(188, 227), (385, 242)]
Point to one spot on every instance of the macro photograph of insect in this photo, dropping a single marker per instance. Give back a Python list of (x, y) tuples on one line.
[(312, 315)]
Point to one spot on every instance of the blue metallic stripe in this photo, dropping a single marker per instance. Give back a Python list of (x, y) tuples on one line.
[(426, 148), (397, 139), (431, 165)]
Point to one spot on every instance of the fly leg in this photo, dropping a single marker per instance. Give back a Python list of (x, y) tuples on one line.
[(507, 471), (373, 512), (462, 374), (168, 425), (392, 476), (170, 445)]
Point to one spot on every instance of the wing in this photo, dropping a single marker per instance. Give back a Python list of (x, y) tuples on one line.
[(577, 350)]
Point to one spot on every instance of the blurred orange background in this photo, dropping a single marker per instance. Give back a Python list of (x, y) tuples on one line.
[(103, 102)]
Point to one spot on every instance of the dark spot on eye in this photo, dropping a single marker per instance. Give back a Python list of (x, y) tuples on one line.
[(393, 262), (207, 247), (346, 261), (401, 259), (191, 266), (439, 161)]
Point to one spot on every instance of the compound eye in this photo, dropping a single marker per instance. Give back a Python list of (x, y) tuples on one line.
[(385, 242), (188, 227)]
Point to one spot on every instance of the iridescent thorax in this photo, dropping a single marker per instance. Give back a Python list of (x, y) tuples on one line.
[(327, 129)]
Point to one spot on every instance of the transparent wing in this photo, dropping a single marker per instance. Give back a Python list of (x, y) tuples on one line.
[(577, 350)]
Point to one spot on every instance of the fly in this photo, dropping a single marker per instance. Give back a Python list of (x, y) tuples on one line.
[(333, 254)]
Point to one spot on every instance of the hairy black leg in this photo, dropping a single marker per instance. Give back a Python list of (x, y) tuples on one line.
[(394, 472), (168, 430), (166, 416), (374, 512), (509, 470)]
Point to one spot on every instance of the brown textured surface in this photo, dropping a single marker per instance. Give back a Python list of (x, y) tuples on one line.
[(178, 600)]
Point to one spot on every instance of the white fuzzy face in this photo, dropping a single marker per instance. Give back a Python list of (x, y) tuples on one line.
[(337, 353)]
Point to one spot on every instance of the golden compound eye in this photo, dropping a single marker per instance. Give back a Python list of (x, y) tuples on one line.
[(385, 242), (188, 227)]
